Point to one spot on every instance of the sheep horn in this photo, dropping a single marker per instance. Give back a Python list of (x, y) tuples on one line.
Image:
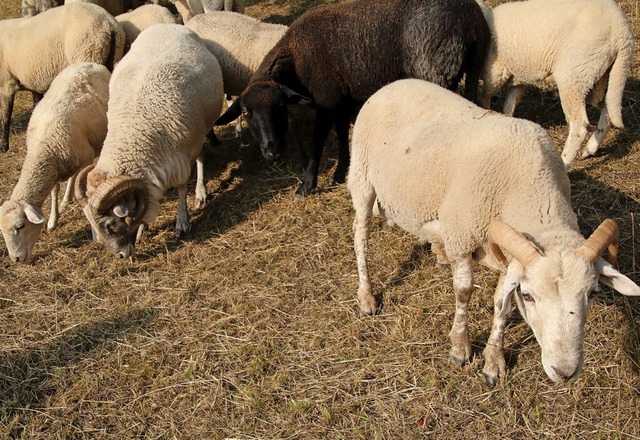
[(112, 189), (522, 249), (605, 236), (80, 188)]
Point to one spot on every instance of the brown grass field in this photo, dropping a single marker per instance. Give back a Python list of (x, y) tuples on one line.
[(249, 328)]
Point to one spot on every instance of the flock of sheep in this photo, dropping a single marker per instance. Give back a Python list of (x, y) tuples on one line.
[(144, 108)]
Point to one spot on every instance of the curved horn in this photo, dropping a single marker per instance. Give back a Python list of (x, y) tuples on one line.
[(80, 188), (605, 236), (522, 249), (112, 189)]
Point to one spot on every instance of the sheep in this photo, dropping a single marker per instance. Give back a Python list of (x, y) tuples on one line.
[(239, 42), (137, 20), (163, 97), (336, 56), (583, 48), (113, 7), (190, 8), (34, 50), (29, 8), (474, 183), (65, 133)]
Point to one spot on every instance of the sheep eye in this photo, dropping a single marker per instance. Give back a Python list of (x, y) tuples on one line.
[(20, 226), (245, 112), (110, 226), (527, 297)]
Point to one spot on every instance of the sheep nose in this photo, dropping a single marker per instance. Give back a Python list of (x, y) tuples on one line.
[(565, 375)]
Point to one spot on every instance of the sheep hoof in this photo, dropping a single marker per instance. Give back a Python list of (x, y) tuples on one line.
[(490, 379), (458, 361)]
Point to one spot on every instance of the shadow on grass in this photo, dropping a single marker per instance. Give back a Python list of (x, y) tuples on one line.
[(25, 374)]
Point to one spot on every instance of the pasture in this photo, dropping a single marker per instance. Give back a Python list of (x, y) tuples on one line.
[(249, 327)]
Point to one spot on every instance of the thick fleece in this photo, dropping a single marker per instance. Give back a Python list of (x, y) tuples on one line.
[(34, 50), (65, 133)]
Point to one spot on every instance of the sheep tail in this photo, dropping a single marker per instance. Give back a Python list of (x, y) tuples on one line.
[(617, 80)]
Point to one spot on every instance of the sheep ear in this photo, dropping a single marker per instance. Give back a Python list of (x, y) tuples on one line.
[(511, 281), (295, 97), (231, 114), (33, 215), (609, 276)]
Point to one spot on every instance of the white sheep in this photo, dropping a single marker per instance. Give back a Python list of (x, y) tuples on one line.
[(190, 8), (239, 42), (29, 8), (139, 19), (163, 97), (584, 48), (473, 182), (34, 50), (65, 133)]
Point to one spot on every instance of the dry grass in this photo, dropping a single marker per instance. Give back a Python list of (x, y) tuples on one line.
[(249, 328)]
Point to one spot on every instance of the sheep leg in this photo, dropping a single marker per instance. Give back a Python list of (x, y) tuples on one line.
[(463, 287), (601, 131), (494, 363), (238, 126), (441, 255), (53, 214), (343, 120), (68, 192), (514, 94), (6, 105), (363, 204), (576, 114), (323, 123), (201, 190), (182, 219)]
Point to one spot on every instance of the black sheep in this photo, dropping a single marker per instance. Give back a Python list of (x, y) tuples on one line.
[(336, 56)]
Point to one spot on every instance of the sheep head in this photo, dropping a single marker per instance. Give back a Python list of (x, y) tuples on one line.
[(115, 207), (263, 104), (21, 224), (555, 288)]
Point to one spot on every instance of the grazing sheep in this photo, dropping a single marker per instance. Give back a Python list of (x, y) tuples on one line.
[(239, 42), (473, 182), (113, 7), (163, 97), (336, 56), (583, 48), (34, 50), (134, 22), (65, 134)]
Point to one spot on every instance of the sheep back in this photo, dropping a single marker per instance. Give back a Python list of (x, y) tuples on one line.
[(139, 19), (238, 41), (163, 97), (374, 42), (452, 166), (35, 49)]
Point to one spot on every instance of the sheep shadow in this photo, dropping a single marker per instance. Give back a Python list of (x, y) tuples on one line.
[(25, 373)]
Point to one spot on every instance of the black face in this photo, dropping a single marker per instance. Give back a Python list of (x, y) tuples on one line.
[(119, 237), (265, 110)]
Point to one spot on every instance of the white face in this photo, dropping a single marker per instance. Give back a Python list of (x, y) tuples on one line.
[(554, 298), (21, 225)]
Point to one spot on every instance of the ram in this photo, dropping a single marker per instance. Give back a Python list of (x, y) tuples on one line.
[(479, 184), (336, 56), (34, 50), (584, 48), (163, 97), (65, 134)]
